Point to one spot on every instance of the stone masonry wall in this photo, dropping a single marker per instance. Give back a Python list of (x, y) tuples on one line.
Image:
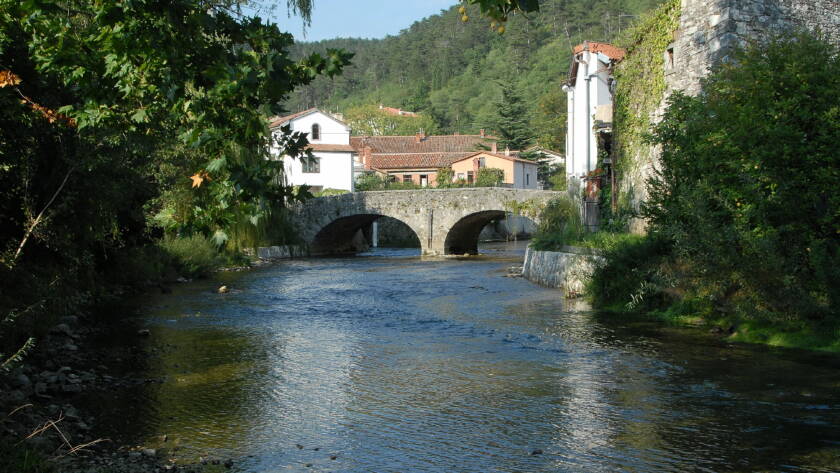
[(709, 32), (711, 29), (569, 270)]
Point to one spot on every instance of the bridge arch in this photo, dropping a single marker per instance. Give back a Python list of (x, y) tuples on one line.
[(345, 235), (446, 221), (462, 237)]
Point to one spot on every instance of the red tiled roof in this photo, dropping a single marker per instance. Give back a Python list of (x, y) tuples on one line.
[(415, 160), (429, 144), (613, 52), (277, 121), (329, 147)]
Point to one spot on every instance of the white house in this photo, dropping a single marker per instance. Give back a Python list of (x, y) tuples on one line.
[(329, 140), (589, 103)]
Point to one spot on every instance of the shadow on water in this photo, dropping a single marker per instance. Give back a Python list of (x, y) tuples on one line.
[(392, 362)]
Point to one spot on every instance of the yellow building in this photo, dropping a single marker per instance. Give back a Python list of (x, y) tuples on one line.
[(518, 173)]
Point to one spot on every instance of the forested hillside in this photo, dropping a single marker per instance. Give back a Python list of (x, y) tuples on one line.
[(451, 69)]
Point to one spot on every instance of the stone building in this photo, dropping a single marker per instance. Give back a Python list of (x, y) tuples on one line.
[(709, 32)]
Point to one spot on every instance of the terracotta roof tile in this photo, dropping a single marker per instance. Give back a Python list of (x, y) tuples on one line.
[(277, 121), (330, 147), (613, 52), (429, 144), (415, 160)]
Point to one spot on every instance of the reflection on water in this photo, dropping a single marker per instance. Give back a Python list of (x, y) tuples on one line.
[(393, 363)]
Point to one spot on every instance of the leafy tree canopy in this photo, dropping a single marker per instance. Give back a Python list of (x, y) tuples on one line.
[(371, 120)]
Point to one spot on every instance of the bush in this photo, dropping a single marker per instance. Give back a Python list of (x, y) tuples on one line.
[(747, 190), (489, 177), (374, 182), (636, 276), (329, 191), (195, 256), (560, 225)]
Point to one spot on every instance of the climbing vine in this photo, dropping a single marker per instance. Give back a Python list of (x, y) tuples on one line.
[(640, 83)]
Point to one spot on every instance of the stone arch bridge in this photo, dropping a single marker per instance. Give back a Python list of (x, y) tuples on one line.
[(446, 221)]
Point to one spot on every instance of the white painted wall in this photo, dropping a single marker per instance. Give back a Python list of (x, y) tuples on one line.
[(520, 170), (332, 131), (336, 171), (591, 83), (336, 168)]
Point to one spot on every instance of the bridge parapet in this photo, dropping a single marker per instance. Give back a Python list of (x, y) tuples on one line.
[(446, 221)]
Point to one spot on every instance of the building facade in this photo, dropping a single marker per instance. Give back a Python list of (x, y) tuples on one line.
[(329, 140), (589, 95), (518, 173)]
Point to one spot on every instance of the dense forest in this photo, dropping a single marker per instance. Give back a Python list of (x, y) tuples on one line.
[(454, 70)]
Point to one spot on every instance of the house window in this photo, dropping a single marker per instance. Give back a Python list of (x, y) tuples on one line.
[(312, 165), (482, 162), (316, 132), (392, 178), (406, 177), (527, 179), (470, 177), (424, 180)]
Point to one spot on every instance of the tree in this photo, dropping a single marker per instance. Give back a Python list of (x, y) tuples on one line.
[(109, 107), (370, 120), (489, 177), (747, 187), (511, 121)]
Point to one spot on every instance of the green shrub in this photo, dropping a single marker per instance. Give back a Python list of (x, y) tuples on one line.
[(194, 256), (489, 177), (635, 276), (560, 224), (747, 188), (328, 192)]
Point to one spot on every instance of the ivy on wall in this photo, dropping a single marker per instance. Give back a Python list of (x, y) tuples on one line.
[(640, 83)]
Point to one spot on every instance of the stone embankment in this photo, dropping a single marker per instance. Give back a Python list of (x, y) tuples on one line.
[(569, 269), (45, 404)]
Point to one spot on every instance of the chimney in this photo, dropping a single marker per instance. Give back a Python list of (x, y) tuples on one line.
[(419, 136), (507, 151), (366, 157), (493, 148), (482, 132)]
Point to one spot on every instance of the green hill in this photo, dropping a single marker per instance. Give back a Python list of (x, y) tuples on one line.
[(451, 70)]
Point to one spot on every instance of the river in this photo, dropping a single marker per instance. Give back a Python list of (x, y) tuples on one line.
[(387, 362)]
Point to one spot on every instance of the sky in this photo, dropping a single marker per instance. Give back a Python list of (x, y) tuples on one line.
[(357, 18)]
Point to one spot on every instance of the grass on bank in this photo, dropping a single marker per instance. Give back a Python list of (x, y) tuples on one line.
[(642, 277)]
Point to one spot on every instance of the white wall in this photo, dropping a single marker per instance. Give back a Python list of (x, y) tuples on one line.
[(336, 168), (581, 141), (520, 169), (336, 171), (332, 131)]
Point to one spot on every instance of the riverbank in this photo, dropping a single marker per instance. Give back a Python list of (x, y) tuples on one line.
[(608, 280), (48, 423)]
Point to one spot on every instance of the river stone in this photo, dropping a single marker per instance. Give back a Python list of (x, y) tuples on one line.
[(22, 381), (149, 452), (224, 290), (62, 329), (16, 396)]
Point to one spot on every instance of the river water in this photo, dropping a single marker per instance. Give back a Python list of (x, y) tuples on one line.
[(387, 362)]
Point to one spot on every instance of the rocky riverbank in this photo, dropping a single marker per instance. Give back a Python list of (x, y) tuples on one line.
[(47, 420)]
